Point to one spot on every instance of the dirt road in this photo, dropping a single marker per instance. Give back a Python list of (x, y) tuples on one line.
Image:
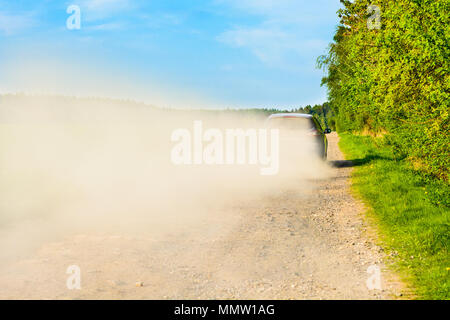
[(289, 246)]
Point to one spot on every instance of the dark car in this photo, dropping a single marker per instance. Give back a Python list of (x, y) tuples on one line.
[(302, 125)]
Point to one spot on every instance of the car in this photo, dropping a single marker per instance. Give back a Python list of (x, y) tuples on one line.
[(299, 125)]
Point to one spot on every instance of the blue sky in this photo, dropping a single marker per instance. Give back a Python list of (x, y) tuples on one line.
[(171, 53)]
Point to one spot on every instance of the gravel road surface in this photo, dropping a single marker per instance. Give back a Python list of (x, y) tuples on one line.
[(313, 245)]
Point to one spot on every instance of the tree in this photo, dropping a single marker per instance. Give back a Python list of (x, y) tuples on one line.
[(394, 80)]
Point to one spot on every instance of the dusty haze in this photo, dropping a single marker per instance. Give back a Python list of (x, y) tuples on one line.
[(89, 166)]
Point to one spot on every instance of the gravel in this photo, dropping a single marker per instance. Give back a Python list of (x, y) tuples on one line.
[(290, 245)]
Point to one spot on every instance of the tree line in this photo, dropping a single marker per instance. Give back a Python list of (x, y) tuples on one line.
[(393, 81)]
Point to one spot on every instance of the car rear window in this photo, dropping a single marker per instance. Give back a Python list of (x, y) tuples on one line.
[(292, 123)]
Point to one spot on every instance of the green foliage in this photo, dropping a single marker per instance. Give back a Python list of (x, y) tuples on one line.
[(323, 112), (411, 210), (395, 80)]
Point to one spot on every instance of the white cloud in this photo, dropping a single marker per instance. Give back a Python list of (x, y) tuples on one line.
[(106, 4), (288, 31), (241, 37), (11, 24), (264, 43), (272, 45), (107, 27), (161, 19), (102, 9), (115, 15)]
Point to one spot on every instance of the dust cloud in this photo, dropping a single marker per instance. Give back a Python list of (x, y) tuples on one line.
[(93, 166)]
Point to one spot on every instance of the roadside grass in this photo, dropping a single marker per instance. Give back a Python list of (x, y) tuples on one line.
[(412, 212)]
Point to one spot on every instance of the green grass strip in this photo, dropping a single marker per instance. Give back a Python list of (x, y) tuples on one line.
[(411, 211)]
